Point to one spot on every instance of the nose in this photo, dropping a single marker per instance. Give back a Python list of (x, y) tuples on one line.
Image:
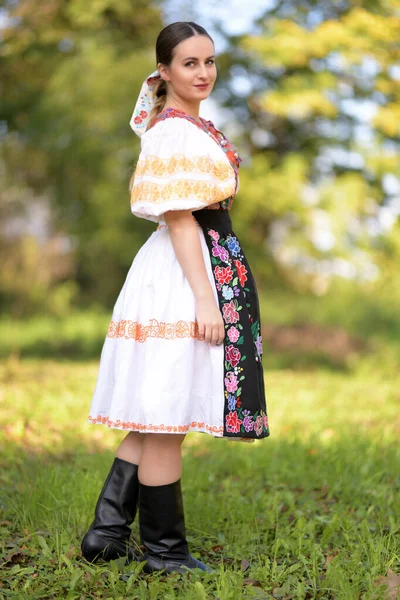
[(202, 72)]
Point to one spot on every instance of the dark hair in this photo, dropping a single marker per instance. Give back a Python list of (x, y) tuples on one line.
[(167, 39)]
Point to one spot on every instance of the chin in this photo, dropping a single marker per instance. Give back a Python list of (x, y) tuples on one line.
[(204, 93)]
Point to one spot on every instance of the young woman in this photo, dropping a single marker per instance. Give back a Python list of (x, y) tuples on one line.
[(183, 349)]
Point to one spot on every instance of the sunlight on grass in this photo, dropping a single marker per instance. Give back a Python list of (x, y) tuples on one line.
[(311, 512)]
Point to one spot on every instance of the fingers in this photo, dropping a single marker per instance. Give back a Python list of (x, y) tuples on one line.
[(212, 334), (202, 331)]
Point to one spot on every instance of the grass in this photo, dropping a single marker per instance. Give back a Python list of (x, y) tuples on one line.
[(312, 512)]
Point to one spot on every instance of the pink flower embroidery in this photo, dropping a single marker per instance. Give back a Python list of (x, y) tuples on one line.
[(137, 120), (214, 234), (143, 114), (265, 421), (233, 334), (230, 314), (231, 382), (258, 426)]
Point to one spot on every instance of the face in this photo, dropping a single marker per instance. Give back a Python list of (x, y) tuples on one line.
[(193, 65)]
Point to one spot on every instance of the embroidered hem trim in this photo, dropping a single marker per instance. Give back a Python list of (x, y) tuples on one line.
[(155, 428)]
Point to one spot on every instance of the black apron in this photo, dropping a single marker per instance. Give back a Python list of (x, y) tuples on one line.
[(245, 413)]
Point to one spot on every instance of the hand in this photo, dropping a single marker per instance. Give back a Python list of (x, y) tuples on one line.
[(210, 322)]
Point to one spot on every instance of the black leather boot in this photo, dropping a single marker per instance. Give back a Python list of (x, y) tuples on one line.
[(108, 535), (162, 529)]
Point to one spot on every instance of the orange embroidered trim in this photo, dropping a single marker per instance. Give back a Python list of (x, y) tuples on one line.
[(181, 190), (160, 167), (154, 428), (157, 329)]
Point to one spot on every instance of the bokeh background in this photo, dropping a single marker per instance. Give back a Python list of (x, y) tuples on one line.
[(309, 91)]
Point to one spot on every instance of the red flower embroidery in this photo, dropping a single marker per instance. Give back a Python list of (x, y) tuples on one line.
[(241, 270), (232, 355), (230, 314), (223, 274), (137, 120), (143, 114), (233, 422)]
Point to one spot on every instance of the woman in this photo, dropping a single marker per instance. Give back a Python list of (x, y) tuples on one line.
[(183, 349)]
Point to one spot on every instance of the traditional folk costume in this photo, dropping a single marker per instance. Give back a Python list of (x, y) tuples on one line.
[(155, 374)]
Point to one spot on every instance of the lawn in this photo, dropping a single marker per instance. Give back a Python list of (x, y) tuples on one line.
[(311, 512)]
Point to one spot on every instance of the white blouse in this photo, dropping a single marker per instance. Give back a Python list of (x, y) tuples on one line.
[(180, 167)]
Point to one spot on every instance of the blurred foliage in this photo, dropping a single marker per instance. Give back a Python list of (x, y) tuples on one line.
[(317, 121), (70, 76), (322, 125)]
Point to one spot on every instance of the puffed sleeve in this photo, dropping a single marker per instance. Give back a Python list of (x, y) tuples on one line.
[(180, 167)]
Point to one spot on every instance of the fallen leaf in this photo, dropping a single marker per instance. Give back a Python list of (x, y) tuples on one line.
[(245, 565), (16, 558), (328, 559), (70, 552), (392, 583), (324, 491), (254, 582), (278, 592)]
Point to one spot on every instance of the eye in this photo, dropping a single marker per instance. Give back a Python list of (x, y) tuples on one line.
[(191, 62)]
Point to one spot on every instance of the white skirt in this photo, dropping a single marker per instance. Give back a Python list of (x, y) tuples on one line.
[(155, 375)]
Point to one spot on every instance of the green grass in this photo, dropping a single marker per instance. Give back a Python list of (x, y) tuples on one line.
[(311, 512)]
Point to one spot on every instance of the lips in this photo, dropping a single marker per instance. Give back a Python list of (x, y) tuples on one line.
[(203, 86)]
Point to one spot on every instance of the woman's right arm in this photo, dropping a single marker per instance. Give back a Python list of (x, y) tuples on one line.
[(187, 246)]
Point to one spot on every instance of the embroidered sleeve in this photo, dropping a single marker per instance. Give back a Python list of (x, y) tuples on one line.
[(179, 168)]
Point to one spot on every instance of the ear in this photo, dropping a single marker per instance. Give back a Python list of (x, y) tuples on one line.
[(163, 70)]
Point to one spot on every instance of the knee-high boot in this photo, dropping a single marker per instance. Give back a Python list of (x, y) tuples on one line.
[(162, 529), (108, 535)]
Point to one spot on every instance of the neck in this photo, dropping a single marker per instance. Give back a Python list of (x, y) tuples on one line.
[(190, 109)]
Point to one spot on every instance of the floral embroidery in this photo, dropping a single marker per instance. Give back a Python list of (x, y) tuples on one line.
[(229, 312), (214, 234), (233, 422), (156, 329), (231, 402), (223, 274), (255, 329), (227, 292), (221, 252), (132, 426), (248, 422), (179, 190), (233, 334), (230, 150), (241, 270), (231, 382), (233, 245), (232, 355), (230, 282), (154, 166)]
